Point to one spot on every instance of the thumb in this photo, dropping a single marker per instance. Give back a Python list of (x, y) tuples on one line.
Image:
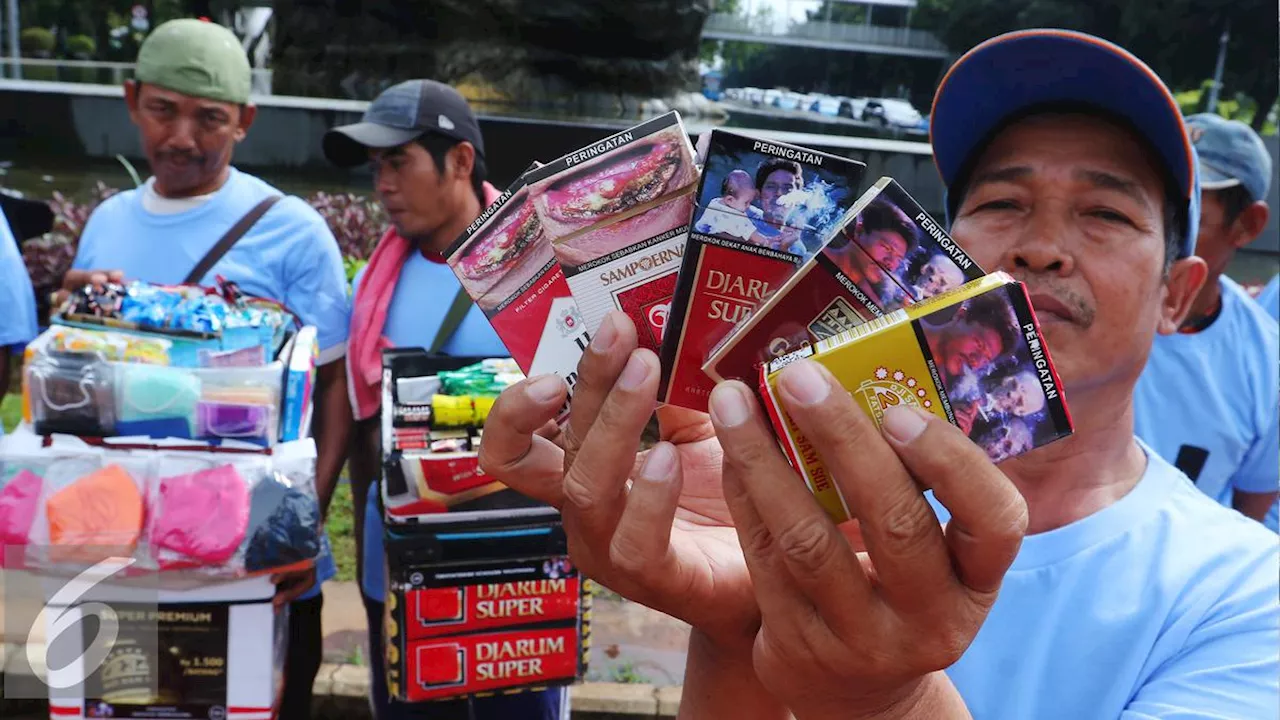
[(988, 514)]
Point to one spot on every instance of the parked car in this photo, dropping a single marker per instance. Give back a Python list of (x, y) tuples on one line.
[(891, 112), (851, 108), (828, 105), (769, 98), (789, 101), (809, 103)]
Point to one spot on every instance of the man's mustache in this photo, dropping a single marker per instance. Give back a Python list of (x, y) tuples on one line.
[(1082, 310), (182, 155)]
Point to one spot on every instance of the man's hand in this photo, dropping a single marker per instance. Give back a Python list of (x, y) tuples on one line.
[(292, 584), (76, 279), (865, 634), (664, 541)]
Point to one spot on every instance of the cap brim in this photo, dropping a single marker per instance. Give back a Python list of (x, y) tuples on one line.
[(349, 145), (1021, 70), (1213, 179)]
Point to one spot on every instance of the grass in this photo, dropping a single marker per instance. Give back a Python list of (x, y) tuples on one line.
[(11, 411)]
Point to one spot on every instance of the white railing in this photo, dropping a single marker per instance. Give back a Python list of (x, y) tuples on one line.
[(832, 32)]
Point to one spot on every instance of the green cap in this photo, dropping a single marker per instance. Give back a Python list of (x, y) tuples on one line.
[(196, 58)]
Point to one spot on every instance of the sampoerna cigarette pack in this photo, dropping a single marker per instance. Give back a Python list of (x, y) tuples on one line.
[(617, 215), (974, 356), (887, 253), (505, 262), (762, 209)]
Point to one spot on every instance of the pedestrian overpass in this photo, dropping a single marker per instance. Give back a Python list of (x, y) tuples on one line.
[(792, 29)]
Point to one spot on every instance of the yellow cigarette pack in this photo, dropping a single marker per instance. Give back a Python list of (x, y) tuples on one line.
[(973, 356)]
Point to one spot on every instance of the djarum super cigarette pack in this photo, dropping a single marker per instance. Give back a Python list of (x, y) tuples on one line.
[(762, 209), (886, 253), (974, 356), (617, 216)]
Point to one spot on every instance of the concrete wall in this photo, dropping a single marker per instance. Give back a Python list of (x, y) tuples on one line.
[(65, 120)]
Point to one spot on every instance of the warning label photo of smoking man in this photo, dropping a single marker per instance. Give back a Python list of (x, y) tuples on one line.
[(783, 204), (892, 239), (989, 375)]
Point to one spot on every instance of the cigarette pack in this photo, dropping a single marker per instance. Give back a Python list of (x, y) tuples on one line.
[(494, 606), (505, 262), (617, 214), (974, 356), (476, 665), (887, 253), (763, 208)]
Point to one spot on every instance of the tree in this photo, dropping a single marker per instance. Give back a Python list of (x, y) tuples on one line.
[(1177, 38)]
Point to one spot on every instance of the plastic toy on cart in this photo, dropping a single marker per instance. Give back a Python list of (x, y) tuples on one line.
[(433, 411)]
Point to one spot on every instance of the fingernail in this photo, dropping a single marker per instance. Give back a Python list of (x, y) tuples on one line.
[(903, 423), (634, 373), (659, 463), (805, 383), (545, 388), (606, 334), (729, 406)]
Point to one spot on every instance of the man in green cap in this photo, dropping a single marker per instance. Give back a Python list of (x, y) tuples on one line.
[(198, 218)]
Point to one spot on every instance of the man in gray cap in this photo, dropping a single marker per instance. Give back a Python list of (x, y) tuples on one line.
[(199, 217), (424, 145), (1209, 398)]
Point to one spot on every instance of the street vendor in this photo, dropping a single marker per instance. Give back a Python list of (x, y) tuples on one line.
[(198, 218), (1084, 579), (424, 145)]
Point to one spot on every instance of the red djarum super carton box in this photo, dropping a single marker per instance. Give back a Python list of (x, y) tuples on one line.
[(494, 606), (887, 253), (617, 216), (762, 209), (505, 262)]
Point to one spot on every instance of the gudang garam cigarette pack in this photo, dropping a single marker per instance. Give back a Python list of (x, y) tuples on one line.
[(974, 356), (617, 215), (886, 254), (762, 209), (505, 263)]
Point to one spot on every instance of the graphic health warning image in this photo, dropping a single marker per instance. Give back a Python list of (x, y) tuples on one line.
[(770, 194)]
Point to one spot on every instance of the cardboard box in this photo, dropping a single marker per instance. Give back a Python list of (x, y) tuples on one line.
[(617, 213), (505, 262), (490, 607), (180, 658), (763, 208), (886, 253), (973, 356)]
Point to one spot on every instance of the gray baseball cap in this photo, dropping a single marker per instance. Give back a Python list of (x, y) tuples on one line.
[(401, 114), (1230, 154)]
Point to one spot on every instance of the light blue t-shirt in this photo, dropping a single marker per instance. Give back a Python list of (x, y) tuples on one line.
[(423, 294), (18, 324), (1162, 605), (1269, 298), (289, 256), (17, 299), (1217, 391)]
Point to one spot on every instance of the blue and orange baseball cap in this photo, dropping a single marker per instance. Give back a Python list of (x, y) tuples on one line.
[(1010, 74)]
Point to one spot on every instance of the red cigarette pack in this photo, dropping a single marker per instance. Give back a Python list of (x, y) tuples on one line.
[(617, 215), (886, 254), (505, 262), (762, 209), (455, 666)]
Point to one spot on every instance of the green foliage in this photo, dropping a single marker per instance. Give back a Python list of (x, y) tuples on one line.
[(1240, 107), (36, 40), (352, 266), (11, 407), (340, 524), (627, 673), (1177, 38), (81, 46)]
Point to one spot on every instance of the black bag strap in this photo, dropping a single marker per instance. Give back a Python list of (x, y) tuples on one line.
[(452, 319), (228, 240)]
